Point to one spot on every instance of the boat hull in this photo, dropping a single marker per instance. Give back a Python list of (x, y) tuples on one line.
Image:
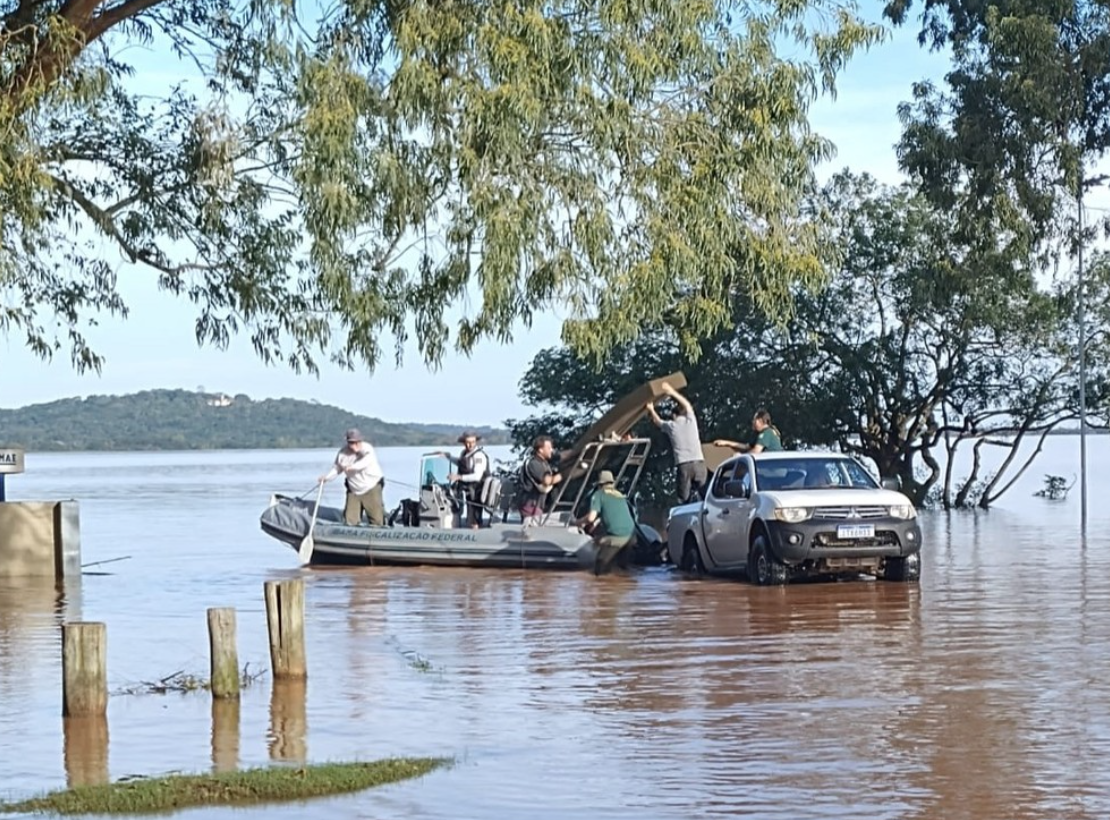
[(510, 546)]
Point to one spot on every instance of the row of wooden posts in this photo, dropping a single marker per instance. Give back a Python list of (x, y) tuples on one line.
[(85, 651)]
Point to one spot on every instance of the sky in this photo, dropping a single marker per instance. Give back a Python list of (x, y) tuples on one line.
[(155, 347)]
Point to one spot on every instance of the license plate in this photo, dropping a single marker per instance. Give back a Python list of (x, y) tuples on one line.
[(855, 531)]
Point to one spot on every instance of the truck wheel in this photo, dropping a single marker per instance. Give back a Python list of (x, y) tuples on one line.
[(691, 559), (763, 568), (905, 570)]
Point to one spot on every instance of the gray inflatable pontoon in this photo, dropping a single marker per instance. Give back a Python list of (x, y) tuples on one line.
[(546, 546), (427, 530)]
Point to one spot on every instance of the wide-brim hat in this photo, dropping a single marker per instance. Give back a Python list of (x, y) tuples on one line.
[(605, 477), (468, 434)]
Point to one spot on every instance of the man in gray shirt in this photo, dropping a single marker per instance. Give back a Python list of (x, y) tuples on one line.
[(682, 430)]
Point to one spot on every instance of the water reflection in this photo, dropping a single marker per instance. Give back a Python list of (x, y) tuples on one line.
[(225, 734), (32, 611), (287, 738), (27, 605), (86, 750), (979, 694)]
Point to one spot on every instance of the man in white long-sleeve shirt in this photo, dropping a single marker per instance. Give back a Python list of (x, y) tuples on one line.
[(358, 463)]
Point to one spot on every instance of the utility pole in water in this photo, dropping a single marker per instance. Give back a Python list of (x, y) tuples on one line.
[(1082, 372)]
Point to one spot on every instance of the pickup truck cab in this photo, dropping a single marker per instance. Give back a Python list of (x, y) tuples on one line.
[(782, 515)]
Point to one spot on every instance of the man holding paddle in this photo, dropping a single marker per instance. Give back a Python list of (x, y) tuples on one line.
[(358, 464)]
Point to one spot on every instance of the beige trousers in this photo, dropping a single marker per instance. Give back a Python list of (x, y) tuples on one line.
[(371, 502)]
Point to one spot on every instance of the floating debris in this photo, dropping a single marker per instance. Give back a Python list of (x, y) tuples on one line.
[(181, 681)]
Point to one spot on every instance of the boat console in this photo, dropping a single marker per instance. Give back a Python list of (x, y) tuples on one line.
[(440, 507)]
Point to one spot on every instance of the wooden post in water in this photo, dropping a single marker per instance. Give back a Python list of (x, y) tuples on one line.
[(285, 617), (225, 659), (84, 669)]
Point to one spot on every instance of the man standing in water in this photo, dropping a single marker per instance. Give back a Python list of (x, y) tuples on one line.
[(358, 464), (682, 430), (609, 508)]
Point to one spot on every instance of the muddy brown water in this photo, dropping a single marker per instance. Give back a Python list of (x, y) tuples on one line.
[(983, 692)]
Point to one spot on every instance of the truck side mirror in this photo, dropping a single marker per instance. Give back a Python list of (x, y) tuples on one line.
[(735, 489), (891, 483)]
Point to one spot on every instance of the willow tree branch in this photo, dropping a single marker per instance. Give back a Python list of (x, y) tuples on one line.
[(103, 220)]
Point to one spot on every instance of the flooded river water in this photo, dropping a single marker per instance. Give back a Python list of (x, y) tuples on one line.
[(982, 693)]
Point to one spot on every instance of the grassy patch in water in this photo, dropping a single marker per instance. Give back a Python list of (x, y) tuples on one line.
[(252, 786)]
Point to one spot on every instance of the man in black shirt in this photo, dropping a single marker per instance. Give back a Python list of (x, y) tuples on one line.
[(537, 477)]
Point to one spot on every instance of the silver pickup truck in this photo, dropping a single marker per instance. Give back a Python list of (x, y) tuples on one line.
[(782, 515)]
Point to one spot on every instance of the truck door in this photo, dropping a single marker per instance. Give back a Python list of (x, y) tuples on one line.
[(725, 515)]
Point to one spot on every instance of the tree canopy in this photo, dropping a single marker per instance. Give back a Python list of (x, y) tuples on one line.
[(1008, 141), (350, 175), (950, 312), (1009, 145), (914, 349)]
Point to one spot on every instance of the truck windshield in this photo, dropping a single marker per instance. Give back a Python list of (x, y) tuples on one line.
[(811, 473)]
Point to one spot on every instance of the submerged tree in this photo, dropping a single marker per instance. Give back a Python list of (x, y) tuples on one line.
[(735, 372), (340, 178), (931, 343), (1008, 144), (910, 350), (1030, 390)]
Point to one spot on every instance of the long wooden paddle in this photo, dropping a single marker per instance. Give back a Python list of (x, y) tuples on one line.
[(307, 544)]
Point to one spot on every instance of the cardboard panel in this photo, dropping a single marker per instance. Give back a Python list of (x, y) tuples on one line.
[(715, 456), (622, 417)]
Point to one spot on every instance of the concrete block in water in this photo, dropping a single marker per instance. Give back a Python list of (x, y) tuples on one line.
[(40, 538)]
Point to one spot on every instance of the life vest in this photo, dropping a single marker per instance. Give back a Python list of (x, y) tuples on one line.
[(467, 459)]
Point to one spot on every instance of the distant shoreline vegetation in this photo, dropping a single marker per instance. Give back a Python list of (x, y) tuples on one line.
[(188, 420)]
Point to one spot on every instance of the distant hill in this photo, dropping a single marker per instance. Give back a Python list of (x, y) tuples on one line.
[(187, 420)]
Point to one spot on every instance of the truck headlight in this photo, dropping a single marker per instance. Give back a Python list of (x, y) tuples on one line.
[(905, 511), (792, 515)]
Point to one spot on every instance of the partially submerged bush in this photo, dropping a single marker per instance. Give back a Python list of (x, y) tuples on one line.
[(1055, 487)]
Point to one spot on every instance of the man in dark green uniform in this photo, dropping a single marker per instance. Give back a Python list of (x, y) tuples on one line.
[(617, 530), (765, 436)]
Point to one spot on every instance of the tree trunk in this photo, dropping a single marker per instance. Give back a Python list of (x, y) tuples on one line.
[(77, 25), (989, 496), (973, 476)]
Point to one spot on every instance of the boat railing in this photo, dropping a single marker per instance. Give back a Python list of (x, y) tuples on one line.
[(624, 458)]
